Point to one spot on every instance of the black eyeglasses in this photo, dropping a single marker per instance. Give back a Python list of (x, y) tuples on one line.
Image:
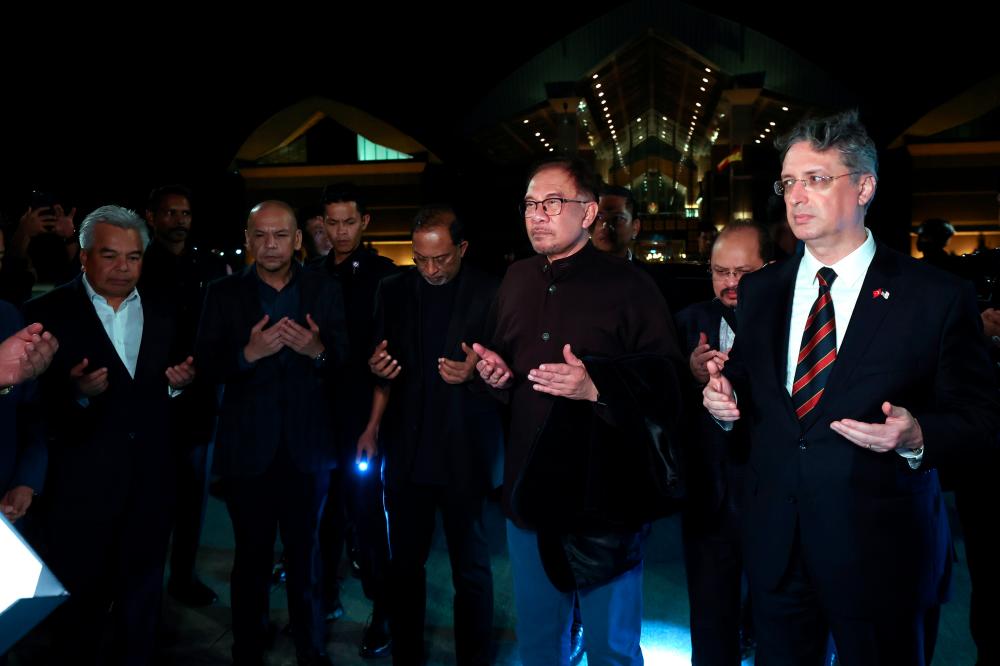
[(813, 183), (550, 206)]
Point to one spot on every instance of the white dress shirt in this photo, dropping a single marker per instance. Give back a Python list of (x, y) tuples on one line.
[(851, 271), (123, 326)]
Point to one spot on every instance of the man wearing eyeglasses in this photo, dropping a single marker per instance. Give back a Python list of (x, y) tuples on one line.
[(858, 371), (591, 379), (715, 462), (441, 441), (616, 226)]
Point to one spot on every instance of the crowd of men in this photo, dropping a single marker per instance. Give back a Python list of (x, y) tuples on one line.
[(811, 472)]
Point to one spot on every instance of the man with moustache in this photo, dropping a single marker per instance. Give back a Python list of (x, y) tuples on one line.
[(441, 441), (617, 225), (858, 372), (110, 482), (175, 275), (715, 463), (274, 336), (585, 353)]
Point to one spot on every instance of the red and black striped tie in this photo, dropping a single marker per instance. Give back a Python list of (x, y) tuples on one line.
[(818, 350)]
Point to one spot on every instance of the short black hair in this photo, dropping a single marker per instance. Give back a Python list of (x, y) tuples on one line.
[(583, 175), (431, 216), (764, 240), (618, 191), (344, 193), (158, 194)]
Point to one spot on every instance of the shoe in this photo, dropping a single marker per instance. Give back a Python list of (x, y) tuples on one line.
[(193, 593), (376, 641), (576, 643)]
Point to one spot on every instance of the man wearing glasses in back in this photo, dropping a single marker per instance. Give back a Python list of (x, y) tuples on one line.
[(715, 461)]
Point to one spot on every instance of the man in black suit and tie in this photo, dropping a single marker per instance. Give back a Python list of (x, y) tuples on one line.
[(274, 336), (442, 442), (715, 460), (109, 488), (859, 371)]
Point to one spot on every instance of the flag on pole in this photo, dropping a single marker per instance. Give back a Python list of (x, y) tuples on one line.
[(735, 156)]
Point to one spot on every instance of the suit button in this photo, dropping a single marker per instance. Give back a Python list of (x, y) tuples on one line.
[(545, 336), (791, 499), (552, 289), (802, 443)]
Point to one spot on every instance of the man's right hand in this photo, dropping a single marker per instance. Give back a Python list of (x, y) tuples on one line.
[(263, 343), (493, 369), (89, 384), (367, 446), (718, 395), (701, 355), (381, 364)]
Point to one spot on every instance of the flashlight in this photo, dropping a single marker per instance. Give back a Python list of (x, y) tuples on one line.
[(363, 465)]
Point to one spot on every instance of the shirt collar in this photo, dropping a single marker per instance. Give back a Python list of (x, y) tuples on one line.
[(97, 299), (851, 269)]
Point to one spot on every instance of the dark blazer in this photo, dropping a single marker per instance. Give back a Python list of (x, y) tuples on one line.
[(873, 532), (22, 446), (97, 453), (714, 460), (471, 418), (274, 401)]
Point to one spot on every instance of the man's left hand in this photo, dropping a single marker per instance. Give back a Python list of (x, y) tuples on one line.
[(15, 502), (181, 375), (900, 431), (459, 372), (567, 380), (303, 340)]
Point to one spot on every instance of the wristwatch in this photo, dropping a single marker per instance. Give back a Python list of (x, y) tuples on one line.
[(319, 359)]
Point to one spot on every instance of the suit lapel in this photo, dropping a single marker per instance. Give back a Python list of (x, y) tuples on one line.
[(869, 314), (782, 321), (251, 297), (100, 337)]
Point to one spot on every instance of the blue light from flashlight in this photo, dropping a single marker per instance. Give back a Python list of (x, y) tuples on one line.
[(363, 465)]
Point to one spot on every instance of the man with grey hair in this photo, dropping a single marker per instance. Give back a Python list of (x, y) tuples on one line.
[(109, 488), (858, 372)]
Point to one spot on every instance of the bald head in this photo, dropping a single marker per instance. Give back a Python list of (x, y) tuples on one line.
[(736, 252), (273, 236)]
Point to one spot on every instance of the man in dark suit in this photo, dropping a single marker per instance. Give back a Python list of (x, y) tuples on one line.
[(274, 336), (175, 274), (25, 353), (109, 487), (442, 441), (355, 500), (715, 461), (859, 371)]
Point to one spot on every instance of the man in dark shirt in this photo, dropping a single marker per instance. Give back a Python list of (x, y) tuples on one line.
[(715, 463), (175, 275), (574, 447), (274, 336), (355, 498), (442, 442)]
